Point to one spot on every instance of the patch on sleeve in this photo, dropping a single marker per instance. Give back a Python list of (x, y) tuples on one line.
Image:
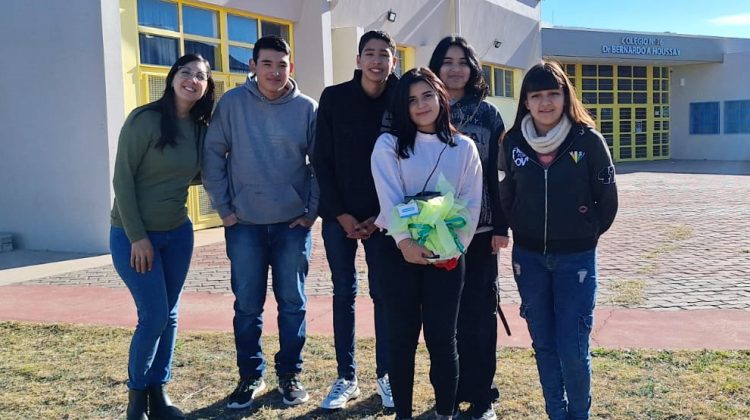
[(607, 175), (519, 157)]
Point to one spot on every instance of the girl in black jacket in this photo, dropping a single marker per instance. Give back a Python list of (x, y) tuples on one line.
[(559, 195)]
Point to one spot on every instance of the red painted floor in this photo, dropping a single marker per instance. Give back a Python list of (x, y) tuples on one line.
[(615, 327)]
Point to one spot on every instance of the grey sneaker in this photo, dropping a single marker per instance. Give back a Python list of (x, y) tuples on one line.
[(342, 391), (384, 390), (292, 389), (489, 414), (245, 393)]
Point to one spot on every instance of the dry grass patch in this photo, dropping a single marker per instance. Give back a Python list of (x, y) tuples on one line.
[(674, 235), (627, 292), (679, 233), (67, 372)]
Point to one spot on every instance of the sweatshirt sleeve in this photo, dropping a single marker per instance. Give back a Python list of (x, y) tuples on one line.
[(387, 177), (507, 190), (135, 139), (470, 191), (603, 186), (313, 199), (216, 147), (499, 222), (325, 157)]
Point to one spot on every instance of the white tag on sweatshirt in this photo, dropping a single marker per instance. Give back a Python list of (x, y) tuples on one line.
[(407, 210)]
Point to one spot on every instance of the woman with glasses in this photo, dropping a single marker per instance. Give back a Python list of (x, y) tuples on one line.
[(151, 238), (420, 288), (559, 194)]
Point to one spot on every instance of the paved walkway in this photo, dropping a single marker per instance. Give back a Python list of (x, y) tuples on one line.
[(676, 260)]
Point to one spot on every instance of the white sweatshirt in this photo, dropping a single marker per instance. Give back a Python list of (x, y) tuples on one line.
[(397, 178)]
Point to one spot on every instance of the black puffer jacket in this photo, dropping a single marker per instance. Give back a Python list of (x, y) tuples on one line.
[(566, 206)]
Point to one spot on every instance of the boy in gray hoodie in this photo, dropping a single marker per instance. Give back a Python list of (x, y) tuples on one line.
[(256, 170)]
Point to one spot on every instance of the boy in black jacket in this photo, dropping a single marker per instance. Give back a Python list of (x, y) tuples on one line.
[(350, 119)]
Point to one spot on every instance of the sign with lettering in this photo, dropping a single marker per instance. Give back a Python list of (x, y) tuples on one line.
[(640, 45)]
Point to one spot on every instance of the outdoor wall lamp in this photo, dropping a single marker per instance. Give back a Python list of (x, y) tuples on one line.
[(497, 43), (390, 15)]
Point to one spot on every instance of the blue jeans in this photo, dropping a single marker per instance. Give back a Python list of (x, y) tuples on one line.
[(251, 250), (341, 252), (558, 294), (157, 296)]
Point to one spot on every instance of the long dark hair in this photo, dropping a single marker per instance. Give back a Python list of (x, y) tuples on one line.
[(550, 75), (403, 127), (200, 112), (476, 86)]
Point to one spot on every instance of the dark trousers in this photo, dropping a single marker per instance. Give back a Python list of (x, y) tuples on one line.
[(477, 324), (341, 253), (417, 295)]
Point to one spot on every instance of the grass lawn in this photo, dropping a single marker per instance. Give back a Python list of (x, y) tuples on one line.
[(67, 372)]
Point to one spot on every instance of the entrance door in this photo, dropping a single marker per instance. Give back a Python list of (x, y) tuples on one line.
[(630, 105)]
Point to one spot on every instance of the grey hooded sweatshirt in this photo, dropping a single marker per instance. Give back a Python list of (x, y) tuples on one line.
[(257, 156)]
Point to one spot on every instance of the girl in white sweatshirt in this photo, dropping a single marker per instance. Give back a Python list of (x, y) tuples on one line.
[(407, 161)]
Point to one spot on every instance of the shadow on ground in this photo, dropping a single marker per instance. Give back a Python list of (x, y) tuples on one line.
[(269, 403), (26, 257)]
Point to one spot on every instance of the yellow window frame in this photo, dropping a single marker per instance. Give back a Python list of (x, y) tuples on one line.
[(492, 80), (575, 73), (222, 41), (406, 59), (148, 79)]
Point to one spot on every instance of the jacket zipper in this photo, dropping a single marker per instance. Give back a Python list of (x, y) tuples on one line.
[(546, 197), (545, 210)]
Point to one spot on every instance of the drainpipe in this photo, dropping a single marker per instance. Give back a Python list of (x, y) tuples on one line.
[(457, 14)]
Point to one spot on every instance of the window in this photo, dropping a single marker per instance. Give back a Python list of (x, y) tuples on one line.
[(737, 117), (169, 29), (242, 32), (499, 79), (157, 14), (400, 64), (704, 118), (405, 61), (159, 50)]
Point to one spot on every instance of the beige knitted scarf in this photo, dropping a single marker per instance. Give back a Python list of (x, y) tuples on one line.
[(548, 143)]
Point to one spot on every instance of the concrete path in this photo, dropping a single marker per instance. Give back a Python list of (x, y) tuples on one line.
[(674, 271)]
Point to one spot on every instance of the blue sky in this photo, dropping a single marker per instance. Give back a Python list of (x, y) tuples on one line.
[(729, 18)]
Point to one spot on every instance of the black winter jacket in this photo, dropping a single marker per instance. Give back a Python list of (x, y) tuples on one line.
[(349, 123), (480, 120), (565, 207)]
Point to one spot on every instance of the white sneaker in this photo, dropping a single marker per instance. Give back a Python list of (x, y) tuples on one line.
[(384, 390), (342, 391), (489, 414)]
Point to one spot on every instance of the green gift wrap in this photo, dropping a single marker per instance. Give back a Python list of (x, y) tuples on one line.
[(438, 223)]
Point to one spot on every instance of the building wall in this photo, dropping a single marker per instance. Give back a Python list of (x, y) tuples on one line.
[(62, 110), (311, 37), (729, 80), (421, 24)]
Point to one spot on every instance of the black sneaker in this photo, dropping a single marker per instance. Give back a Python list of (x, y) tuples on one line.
[(292, 390), (245, 393)]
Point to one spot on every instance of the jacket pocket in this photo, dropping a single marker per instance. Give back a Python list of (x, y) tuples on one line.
[(268, 203)]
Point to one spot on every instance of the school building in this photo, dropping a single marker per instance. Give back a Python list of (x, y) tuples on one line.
[(74, 69)]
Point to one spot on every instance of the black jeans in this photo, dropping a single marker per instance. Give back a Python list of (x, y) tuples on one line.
[(417, 295), (477, 325)]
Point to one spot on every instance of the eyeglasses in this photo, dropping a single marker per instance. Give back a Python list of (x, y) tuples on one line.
[(185, 73)]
